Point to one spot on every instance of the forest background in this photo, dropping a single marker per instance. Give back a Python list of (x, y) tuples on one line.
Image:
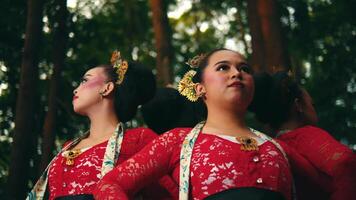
[(46, 46)]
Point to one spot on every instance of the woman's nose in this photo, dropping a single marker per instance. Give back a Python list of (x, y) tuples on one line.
[(236, 73)]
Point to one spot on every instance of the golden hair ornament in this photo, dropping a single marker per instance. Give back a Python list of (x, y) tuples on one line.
[(196, 60), (120, 66), (186, 86)]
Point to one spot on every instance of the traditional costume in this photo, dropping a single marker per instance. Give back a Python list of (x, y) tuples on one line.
[(202, 165), (75, 172)]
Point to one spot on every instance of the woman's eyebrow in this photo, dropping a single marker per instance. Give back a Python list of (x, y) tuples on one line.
[(223, 61), (86, 75)]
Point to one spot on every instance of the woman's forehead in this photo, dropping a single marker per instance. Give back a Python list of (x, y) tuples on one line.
[(94, 71), (226, 55)]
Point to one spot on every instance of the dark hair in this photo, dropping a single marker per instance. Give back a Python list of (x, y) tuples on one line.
[(274, 97), (137, 88), (168, 109)]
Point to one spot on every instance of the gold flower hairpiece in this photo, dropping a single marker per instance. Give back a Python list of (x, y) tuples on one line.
[(195, 61), (186, 86), (120, 65)]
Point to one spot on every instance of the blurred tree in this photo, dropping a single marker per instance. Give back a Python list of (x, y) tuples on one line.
[(258, 58), (12, 21), (163, 44), (323, 46), (60, 36), (265, 25), (24, 136)]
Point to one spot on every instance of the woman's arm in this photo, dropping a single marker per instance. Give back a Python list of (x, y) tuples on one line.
[(331, 157), (299, 164), (148, 165)]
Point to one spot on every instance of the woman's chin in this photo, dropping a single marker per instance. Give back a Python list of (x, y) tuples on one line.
[(79, 111)]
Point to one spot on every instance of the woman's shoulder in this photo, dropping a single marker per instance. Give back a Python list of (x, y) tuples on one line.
[(313, 139), (180, 130), (305, 132), (177, 132), (140, 131), (140, 135), (175, 135), (146, 135), (313, 129), (313, 133)]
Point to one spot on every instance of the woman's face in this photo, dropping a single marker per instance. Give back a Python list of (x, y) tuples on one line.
[(227, 80), (87, 94)]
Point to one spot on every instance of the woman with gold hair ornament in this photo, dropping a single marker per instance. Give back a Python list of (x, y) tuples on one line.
[(220, 158), (109, 96)]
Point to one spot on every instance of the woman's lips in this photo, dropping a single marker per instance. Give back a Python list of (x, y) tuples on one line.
[(236, 84)]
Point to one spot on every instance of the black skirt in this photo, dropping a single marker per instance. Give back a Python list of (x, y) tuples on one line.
[(247, 193), (76, 197)]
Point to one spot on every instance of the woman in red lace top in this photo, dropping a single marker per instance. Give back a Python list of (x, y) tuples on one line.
[(108, 95), (288, 109), (219, 158)]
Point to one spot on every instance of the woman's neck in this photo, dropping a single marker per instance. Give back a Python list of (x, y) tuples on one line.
[(226, 122), (102, 125)]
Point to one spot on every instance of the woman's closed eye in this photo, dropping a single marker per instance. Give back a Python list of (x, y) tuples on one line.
[(83, 80)]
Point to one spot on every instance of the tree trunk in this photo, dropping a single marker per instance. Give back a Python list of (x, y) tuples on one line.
[(59, 49), (24, 132), (269, 50), (258, 50), (163, 44), (275, 49)]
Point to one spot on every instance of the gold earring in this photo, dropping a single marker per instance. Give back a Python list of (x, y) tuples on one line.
[(102, 94), (202, 95)]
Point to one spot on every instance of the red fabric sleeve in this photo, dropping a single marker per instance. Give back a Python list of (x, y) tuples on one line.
[(322, 150), (300, 165), (327, 155), (146, 136), (151, 163), (155, 191), (170, 185), (309, 183), (344, 180)]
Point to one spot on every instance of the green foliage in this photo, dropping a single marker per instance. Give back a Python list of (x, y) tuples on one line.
[(12, 21), (322, 35)]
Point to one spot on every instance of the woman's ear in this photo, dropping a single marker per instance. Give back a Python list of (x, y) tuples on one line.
[(108, 88), (200, 90)]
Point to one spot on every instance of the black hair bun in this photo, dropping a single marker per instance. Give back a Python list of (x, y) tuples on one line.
[(274, 97), (168, 110), (137, 88), (260, 104)]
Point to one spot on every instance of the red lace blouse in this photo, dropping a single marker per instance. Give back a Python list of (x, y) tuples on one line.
[(82, 177), (217, 164), (334, 162)]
